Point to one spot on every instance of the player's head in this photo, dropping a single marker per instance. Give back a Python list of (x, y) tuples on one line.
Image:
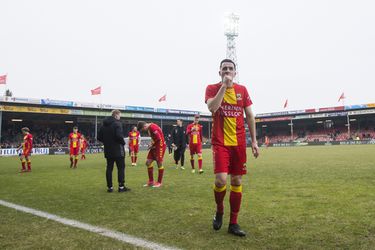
[(75, 129), (142, 126), (116, 114), (134, 129), (227, 67), (25, 130), (179, 122), (196, 119), (82, 137)]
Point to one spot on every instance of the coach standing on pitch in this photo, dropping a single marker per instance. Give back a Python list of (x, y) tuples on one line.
[(227, 102), (179, 143), (112, 136)]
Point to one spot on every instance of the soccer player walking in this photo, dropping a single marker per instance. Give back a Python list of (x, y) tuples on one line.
[(194, 131), (179, 143), (134, 140), (83, 145), (156, 152), (74, 141), (26, 146), (228, 101)]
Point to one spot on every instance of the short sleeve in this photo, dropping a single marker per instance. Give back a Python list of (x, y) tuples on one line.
[(247, 100), (210, 93)]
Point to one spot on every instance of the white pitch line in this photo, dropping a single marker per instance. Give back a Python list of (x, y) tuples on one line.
[(99, 230)]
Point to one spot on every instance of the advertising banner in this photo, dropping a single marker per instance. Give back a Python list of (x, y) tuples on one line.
[(57, 102), (24, 109), (14, 152)]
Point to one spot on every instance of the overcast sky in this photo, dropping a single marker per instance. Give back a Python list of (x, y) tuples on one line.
[(306, 51)]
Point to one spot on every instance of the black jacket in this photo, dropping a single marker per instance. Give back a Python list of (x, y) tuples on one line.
[(179, 136), (112, 136)]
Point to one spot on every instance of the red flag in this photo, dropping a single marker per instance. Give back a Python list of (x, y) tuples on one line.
[(342, 97), (96, 91), (3, 79), (163, 98), (286, 103)]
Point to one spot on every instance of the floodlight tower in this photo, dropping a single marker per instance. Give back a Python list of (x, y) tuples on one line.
[(231, 25)]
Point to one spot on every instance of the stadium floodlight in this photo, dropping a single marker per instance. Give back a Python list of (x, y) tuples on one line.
[(69, 122), (352, 120), (231, 31), (319, 122), (17, 120), (264, 126)]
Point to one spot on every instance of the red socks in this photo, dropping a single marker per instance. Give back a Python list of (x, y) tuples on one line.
[(29, 165), (219, 198), (23, 165), (192, 162), (235, 202), (150, 171), (161, 172), (200, 162)]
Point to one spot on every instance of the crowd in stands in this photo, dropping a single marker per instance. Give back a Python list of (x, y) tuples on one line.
[(327, 135), (42, 137)]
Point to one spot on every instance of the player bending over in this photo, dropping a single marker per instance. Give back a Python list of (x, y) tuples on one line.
[(156, 152), (26, 146)]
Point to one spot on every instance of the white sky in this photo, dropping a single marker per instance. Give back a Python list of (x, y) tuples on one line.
[(306, 51)]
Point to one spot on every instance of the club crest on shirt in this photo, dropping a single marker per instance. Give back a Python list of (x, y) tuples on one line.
[(239, 97)]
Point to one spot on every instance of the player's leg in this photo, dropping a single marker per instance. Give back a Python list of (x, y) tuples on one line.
[(176, 156), (71, 156), (28, 161), (76, 153), (131, 150), (221, 164), (183, 148), (136, 149), (23, 163), (192, 161), (200, 159), (159, 159), (108, 175), (237, 169), (150, 170)]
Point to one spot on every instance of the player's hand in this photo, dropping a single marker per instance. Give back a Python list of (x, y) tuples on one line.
[(227, 80), (255, 149)]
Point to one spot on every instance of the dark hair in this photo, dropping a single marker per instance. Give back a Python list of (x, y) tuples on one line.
[(229, 61), (25, 129), (140, 125)]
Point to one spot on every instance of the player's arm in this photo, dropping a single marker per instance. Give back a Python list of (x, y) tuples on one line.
[(250, 120), (214, 102)]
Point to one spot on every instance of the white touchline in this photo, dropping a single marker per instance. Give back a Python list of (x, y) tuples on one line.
[(99, 230)]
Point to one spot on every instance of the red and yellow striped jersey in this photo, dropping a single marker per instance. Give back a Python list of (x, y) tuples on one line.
[(228, 128), (195, 133), (27, 142), (133, 138), (74, 139)]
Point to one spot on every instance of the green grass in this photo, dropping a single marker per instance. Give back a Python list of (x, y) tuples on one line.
[(295, 198)]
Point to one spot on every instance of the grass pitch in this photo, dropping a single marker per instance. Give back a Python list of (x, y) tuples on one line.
[(295, 198)]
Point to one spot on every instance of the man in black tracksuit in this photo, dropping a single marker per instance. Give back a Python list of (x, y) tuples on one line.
[(112, 136), (179, 143)]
